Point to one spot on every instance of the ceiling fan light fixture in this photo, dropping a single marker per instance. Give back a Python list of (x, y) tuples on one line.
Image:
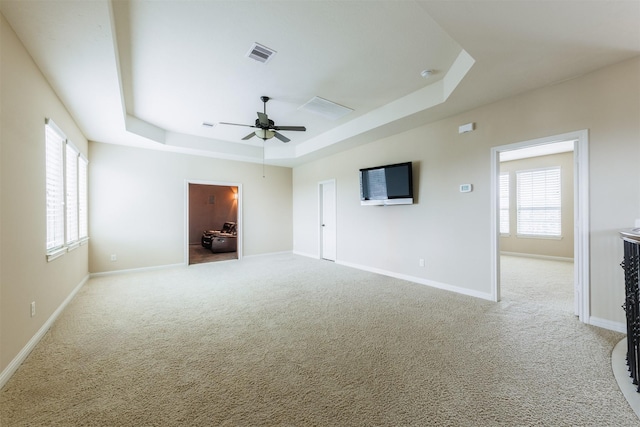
[(265, 133)]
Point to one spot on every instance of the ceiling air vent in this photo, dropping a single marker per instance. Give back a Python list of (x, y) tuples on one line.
[(326, 108), (260, 53)]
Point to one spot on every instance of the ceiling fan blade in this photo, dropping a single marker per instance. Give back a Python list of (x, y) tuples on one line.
[(281, 137), (251, 135), (263, 118), (237, 124), (298, 128)]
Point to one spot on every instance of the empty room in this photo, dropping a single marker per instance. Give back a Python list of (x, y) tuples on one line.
[(311, 213)]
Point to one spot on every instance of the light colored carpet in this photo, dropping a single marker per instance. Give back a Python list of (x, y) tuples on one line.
[(284, 340)]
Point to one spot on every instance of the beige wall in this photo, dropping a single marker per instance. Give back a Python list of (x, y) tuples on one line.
[(560, 248), (137, 197), (25, 274), (451, 230), (137, 205)]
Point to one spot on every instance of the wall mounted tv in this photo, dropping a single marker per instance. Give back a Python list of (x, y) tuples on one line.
[(387, 185)]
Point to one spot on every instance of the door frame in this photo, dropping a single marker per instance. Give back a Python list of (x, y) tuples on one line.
[(581, 250), (186, 213), (320, 215)]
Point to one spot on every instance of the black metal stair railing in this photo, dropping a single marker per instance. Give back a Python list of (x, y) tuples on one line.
[(631, 306)]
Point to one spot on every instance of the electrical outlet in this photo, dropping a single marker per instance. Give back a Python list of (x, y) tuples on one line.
[(33, 308), (421, 262), (114, 257)]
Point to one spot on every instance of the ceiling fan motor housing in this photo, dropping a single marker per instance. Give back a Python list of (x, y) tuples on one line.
[(263, 126)]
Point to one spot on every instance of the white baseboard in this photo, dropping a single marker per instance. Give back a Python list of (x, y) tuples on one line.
[(268, 254), (22, 355), (421, 281), (136, 270), (305, 254), (608, 324), (549, 257), (181, 265)]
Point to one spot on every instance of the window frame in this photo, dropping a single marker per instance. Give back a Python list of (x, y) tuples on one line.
[(83, 199), (66, 210), (504, 205), (54, 190)]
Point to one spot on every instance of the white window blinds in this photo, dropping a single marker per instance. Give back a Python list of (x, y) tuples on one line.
[(539, 202), (504, 203), (54, 165), (71, 172), (83, 229), (66, 193)]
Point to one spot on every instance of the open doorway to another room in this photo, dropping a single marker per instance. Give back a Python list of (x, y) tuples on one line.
[(213, 227), (536, 225), (540, 212)]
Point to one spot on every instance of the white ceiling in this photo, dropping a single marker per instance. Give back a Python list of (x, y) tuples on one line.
[(149, 73)]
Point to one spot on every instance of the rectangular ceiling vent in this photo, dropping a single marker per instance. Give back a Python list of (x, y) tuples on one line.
[(325, 108), (260, 53)]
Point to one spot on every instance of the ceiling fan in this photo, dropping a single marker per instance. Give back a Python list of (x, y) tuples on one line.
[(266, 128)]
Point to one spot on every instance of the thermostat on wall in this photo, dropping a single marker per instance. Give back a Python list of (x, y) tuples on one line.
[(466, 188)]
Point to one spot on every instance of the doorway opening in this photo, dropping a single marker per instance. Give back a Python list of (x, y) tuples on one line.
[(578, 249), (327, 231), (213, 229)]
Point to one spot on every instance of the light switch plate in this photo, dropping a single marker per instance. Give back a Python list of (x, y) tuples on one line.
[(466, 188)]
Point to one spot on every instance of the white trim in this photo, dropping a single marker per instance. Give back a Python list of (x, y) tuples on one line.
[(186, 214), (306, 254), (56, 253), (421, 281), (494, 226), (49, 122), (538, 236), (269, 254), (607, 324), (135, 270), (581, 250), (413, 279), (537, 256), (179, 265), (72, 246), (13, 366), (581, 215)]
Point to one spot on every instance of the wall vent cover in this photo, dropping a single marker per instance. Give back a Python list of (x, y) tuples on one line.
[(326, 108), (260, 53)]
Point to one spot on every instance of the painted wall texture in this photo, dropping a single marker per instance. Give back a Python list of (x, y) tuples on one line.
[(451, 230)]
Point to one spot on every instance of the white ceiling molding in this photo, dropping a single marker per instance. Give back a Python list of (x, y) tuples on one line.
[(148, 74)]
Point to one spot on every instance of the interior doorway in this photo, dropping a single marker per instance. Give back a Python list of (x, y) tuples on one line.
[(213, 228), (327, 216), (579, 141)]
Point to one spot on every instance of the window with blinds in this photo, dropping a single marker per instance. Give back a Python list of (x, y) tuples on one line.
[(539, 202), (54, 186), (504, 203), (71, 172), (83, 229), (66, 193)]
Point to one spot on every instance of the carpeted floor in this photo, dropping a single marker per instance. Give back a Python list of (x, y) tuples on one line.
[(285, 340)]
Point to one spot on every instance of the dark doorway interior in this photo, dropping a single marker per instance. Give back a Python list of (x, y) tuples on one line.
[(210, 206)]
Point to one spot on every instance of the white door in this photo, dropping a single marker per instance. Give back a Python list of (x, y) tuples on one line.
[(328, 220)]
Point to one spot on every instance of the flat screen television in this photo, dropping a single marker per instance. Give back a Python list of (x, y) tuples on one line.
[(387, 185)]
